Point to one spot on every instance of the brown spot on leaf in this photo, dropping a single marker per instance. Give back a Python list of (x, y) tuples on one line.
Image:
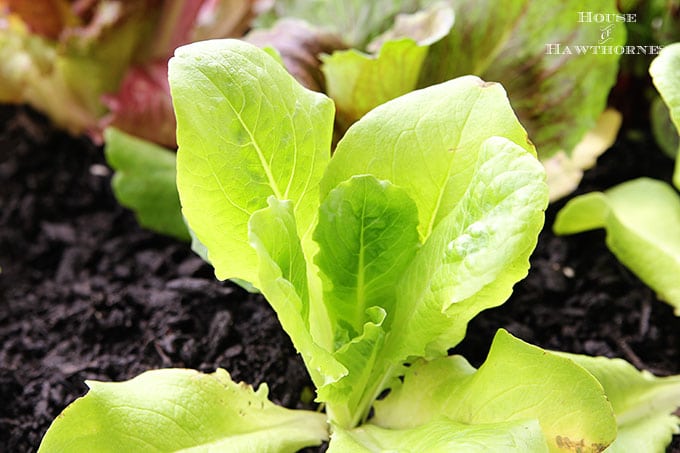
[(578, 446)]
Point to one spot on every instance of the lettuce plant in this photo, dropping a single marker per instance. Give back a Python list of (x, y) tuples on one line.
[(642, 216), (61, 58), (358, 253), (374, 261), (96, 63)]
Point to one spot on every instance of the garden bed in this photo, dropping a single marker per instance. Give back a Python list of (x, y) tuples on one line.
[(85, 293)]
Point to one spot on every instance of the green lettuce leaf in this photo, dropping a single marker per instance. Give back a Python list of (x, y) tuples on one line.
[(665, 72), (145, 182), (425, 26), (284, 282), (642, 220), (255, 133), (643, 404), (442, 436), (341, 374), (437, 145), (348, 400), (359, 82), (475, 255), (367, 235), (175, 410), (664, 131), (517, 382), (521, 44), (480, 32)]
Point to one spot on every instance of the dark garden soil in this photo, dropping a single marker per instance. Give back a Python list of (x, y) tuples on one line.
[(87, 294)]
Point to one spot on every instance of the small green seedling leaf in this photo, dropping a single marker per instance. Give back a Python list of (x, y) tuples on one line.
[(145, 182), (642, 220), (517, 382), (643, 404), (348, 400), (255, 133), (175, 410)]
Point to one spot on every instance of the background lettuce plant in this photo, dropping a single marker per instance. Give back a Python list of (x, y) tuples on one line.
[(61, 59), (374, 260), (96, 63), (362, 54), (558, 96)]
